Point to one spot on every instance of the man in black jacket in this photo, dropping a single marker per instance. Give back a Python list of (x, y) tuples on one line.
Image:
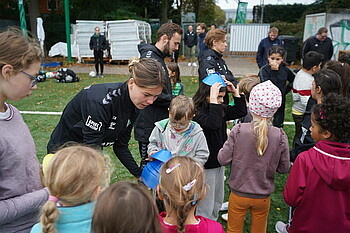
[(98, 44), (168, 40), (191, 40), (319, 43)]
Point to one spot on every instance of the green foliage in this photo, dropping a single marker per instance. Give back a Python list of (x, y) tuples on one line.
[(288, 13)]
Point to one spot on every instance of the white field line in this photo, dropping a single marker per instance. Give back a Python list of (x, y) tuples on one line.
[(60, 113)]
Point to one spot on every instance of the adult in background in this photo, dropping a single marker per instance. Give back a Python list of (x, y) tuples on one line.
[(319, 43), (104, 114), (21, 192), (201, 27), (211, 60), (98, 44), (191, 40), (265, 44), (168, 41)]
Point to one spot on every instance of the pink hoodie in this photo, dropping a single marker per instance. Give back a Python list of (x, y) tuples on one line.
[(319, 187)]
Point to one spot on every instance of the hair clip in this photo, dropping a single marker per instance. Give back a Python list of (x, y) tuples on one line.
[(194, 199), (188, 186), (321, 115), (53, 198), (170, 169)]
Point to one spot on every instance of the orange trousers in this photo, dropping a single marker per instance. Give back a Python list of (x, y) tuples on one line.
[(237, 210)]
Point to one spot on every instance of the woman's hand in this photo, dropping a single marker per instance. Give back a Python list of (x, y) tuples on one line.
[(214, 93)]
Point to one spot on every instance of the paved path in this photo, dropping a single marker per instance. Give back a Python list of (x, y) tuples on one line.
[(238, 66)]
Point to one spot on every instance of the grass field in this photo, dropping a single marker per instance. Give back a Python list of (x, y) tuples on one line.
[(53, 97)]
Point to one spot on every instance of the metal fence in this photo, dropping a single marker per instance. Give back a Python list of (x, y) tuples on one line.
[(244, 39)]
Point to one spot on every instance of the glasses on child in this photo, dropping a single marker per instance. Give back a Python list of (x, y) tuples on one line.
[(179, 125), (35, 79)]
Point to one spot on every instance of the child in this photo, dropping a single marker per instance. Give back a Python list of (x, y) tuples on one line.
[(245, 86), (176, 84), (125, 207), (343, 70), (325, 81), (318, 184), (212, 115), (75, 175), (178, 133), (253, 168), (277, 72), (21, 193), (302, 87), (182, 186)]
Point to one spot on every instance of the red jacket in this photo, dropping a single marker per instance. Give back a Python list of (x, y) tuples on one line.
[(319, 187)]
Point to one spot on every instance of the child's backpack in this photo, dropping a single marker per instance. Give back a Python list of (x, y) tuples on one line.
[(65, 75)]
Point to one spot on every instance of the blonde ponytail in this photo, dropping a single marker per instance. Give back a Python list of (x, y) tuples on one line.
[(261, 128), (48, 217)]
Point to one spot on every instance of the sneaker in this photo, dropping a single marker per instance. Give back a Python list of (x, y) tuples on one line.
[(101, 76), (194, 64), (189, 64), (281, 227), (224, 217), (224, 206)]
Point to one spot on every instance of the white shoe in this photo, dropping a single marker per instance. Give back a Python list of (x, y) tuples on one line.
[(224, 206), (224, 217), (194, 64), (189, 64), (281, 227)]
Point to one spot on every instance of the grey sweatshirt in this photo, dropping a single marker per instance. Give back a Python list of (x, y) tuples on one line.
[(191, 143), (21, 194)]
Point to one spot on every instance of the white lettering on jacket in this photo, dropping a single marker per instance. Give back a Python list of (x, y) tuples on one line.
[(93, 125)]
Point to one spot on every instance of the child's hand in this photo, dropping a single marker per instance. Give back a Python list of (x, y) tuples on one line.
[(231, 88), (150, 158), (274, 65), (214, 93)]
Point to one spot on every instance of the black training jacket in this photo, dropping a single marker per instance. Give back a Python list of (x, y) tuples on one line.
[(159, 109), (190, 39), (102, 115), (98, 43), (211, 62)]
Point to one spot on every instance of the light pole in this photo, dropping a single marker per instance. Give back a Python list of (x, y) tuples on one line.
[(262, 11)]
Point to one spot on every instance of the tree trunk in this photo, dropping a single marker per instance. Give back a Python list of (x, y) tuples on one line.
[(164, 14), (33, 8)]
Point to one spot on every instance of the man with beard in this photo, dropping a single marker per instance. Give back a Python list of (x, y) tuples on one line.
[(168, 41)]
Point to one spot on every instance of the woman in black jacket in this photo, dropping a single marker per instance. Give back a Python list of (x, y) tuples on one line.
[(98, 44), (104, 114)]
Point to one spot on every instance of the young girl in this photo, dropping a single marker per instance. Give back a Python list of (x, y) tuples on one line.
[(277, 72), (325, 81), (318, 184), (178, 133), (253, 167), (176, 84), (212, 114), (21, 193), (125, 207), (182, 186), (75, 176), (343, 70)]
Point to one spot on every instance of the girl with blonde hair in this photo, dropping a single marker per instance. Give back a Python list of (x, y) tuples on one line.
[(182, 186), (253, 167), (75, 176)]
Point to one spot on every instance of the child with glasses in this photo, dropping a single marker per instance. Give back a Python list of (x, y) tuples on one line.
[(21, 192), (179, 134)]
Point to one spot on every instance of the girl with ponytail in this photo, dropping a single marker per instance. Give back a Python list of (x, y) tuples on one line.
[(74, 176), (182, 186), (253, 167)]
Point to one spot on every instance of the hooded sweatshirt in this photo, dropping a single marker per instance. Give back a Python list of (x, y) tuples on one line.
[(190, 143), (319, 187)]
